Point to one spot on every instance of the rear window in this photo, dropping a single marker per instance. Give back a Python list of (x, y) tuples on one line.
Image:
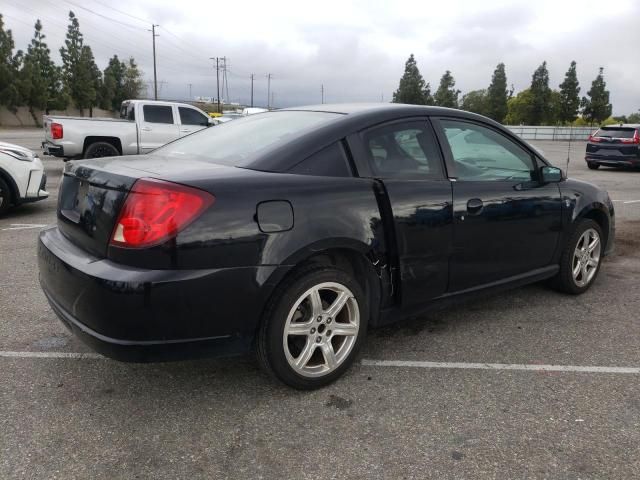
[(237, 143), (616, 132)]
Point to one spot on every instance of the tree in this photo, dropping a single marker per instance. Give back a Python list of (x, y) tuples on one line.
[(80, 73), (475, 101), (569, 96), (40, 78), (412, 88), (447, 95), (541, 95), (634, 117), (112, 85), (597, 108), (498, 95), (9, 66), (520, 108), (133, 84)]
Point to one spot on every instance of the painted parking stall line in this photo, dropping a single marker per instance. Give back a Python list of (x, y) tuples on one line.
[(499, 366), (24, 226), (73, 355)]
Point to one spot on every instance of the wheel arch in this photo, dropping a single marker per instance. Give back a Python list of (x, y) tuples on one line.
[(598, 213), (15, 191), (115, 141)]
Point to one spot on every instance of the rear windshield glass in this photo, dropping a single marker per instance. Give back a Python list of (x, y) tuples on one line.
[(615, 132), (236, 143)]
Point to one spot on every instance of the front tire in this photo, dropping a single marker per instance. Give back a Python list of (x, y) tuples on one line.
[(101, 149), (581, 259), (313, 328), (6, 197)]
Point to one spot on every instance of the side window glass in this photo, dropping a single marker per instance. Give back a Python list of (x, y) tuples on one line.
[(158, 114), (328, 162), (482, 154), (189, 116), (405, 150)]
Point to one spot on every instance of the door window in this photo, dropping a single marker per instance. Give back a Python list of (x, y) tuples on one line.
[(328, 162), (405, 150), (482, 154), (189, 116), (158, 114)]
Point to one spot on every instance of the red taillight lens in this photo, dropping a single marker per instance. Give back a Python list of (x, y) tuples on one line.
[(593, 139), (634, 140), (156, 211), (56, 131)]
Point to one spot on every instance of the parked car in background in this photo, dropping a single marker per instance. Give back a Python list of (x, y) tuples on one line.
[(253, 110), (144, 125), (614, 146), (22, 177), (294, 231)]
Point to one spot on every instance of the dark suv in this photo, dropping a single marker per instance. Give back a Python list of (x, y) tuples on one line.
[(614, 146)]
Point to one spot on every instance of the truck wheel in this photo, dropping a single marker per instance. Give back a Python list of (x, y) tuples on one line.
[(313, 328), (5, 197), (581, 259), (593, 165), (101, 149)]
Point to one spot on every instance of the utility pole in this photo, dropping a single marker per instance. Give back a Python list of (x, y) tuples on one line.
[(273, 99), (225, 81), (190, 97), (252, 75), (217, 59), (268, 91), (322, 92), (155, 75)]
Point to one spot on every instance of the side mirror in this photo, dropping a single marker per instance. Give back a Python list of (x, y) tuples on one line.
[(210, 122), (551, 174)]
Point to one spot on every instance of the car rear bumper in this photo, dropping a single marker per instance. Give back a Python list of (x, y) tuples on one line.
[(54, 150), (132, 314), (614, 160)]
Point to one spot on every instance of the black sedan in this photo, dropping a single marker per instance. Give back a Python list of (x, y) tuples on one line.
[(290, 233)]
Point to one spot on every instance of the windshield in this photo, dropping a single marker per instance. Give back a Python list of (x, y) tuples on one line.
[(615, 132), (236, 143)]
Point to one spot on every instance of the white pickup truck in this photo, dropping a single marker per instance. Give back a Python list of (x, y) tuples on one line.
[(144, 125)]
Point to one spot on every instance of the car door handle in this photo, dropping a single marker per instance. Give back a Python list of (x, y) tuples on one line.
[(474, 206), (146, 129), (185, 131)]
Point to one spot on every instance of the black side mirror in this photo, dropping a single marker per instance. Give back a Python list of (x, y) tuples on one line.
[(551, 174)]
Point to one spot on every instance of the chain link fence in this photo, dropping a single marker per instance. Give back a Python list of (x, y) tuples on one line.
[(528, 132)]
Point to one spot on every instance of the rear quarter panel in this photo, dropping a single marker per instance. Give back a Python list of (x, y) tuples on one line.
[(76, 130)]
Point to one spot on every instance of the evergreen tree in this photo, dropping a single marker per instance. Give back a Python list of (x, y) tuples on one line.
[(113, 84), (413, 89), (597, 108), (475, 101), (498, 95), (569, 96), (9, 66), (541, 107), (447, 95), (40, 78), (634, 117), (78, 67)]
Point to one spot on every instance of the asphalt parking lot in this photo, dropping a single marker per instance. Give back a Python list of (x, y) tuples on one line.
[(460, 393)]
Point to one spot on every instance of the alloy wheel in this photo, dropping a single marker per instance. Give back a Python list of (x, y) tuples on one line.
[(586, 257), (321, 329)]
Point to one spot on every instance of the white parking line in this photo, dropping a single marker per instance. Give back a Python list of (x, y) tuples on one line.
[(498, 366), (76, 355), (24, 226)]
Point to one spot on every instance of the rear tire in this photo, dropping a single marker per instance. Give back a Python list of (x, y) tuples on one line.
[(593, 165), (581, 259), (6, 197), (313, 327), (101, 149)]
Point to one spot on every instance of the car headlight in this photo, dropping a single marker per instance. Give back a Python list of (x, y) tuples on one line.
[(18, 155)]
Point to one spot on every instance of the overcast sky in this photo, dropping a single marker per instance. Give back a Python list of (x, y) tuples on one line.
[(357, 49)]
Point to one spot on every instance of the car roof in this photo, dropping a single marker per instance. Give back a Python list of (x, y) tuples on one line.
[(373, 108)]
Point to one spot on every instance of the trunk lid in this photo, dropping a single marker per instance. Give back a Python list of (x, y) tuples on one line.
[(93, 191)]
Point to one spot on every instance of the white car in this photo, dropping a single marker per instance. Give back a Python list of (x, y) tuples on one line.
[(22, 177)]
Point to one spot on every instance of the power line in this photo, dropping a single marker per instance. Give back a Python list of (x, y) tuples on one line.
[(121, 12), (135, 27)]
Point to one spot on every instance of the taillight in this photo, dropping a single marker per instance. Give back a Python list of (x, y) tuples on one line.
[(634, 140), (593, 139), (56, 131), (155, 211)]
